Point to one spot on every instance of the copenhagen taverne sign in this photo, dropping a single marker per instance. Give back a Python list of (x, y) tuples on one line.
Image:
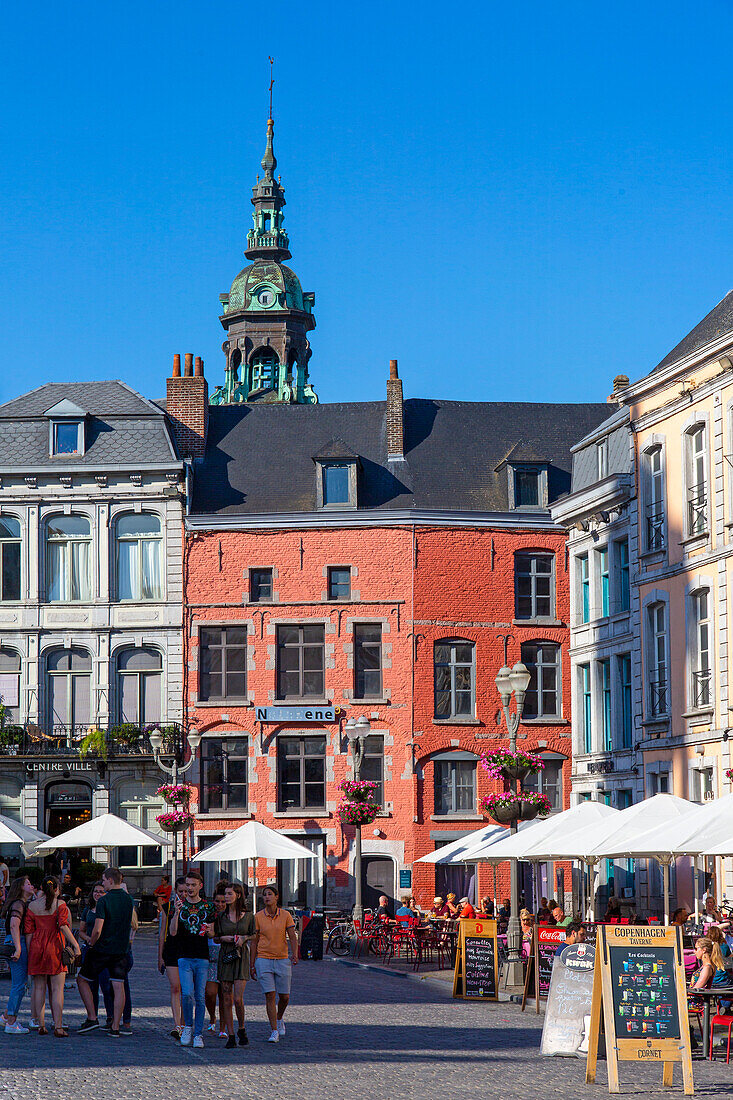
[(274, 715)]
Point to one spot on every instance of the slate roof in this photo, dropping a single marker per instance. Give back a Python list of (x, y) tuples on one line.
[(259, 457), (122, 428), (715, 324)]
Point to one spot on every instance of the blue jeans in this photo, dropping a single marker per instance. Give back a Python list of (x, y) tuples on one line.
[(193, 973), (19, 976)]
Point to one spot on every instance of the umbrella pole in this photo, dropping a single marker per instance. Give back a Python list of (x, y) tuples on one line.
[(695, 888), (496, 911), (254, 885), (665, 889), (593, 879)]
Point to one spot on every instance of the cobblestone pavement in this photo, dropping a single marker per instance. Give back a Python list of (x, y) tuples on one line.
[(352, 1033)]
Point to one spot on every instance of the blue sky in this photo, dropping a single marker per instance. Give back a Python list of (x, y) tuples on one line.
[(515, 201)]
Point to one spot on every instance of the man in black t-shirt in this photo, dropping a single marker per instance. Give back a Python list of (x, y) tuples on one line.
[(108, 947), (383, 912)]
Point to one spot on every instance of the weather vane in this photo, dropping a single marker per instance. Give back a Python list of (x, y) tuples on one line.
[(272, 62)]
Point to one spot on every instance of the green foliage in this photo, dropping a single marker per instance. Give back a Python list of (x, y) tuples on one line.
[(10, 735), (94, 744), (127, 733)]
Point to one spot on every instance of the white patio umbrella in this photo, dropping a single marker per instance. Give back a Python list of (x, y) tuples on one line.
[(106, 831), (254, 841), (453, 851), (627, 836), (538, 834), (23, 834)]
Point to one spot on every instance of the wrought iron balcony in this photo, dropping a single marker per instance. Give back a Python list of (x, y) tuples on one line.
[(697, 510), (702, 682), (654, 527), (658, 705), (92, 742)]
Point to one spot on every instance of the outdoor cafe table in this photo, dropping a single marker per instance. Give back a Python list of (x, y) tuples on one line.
[(708, 996)]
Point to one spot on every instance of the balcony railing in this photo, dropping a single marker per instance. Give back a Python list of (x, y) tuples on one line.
[(697, 506), (85, 741), (702, 687), (654, 527), (657, 696)]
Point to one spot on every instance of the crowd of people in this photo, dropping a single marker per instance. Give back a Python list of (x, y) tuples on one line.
[(207, 950)]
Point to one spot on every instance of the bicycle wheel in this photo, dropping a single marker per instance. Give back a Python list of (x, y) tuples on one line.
[(338, 943)]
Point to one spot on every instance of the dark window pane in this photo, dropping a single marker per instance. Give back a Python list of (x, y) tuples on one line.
[(10, 571), (235, 636), (260, 585), (236, 659), (210, 636), (236, 685), (336, 485), (313, 633), (339, 583), (526, 487), (442, 654), (288, 635), (464, 653)]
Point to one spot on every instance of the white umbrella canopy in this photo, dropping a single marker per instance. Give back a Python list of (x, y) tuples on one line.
[(537, 835), (454, 851), (23, 834), (105, 831), (253, 841), (713, 835)]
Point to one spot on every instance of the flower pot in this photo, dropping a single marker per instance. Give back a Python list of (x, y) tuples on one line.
[(528, 811), (516, 772), (505, 815)]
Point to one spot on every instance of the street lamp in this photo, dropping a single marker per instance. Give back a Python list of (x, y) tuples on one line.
[(357, 731), (176, 769), (513, 681)]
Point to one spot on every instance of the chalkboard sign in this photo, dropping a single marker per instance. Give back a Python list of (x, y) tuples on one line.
[(545, 942), (311, 937), (476, 974), (639, 996), (567, 1016)]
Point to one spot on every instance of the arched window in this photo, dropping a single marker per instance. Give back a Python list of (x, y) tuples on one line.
[(69, 550), (9, 558), (139, 686), (139, 804), (235, 362), (10, 685), (454, 674), (69, 682), (139, 557), (455, 783), (543, 698), (263, 369)]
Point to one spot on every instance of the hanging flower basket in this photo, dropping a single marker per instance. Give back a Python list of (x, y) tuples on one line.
[(176, 794), (175, 821), (358, 805), (509, 807), (729, 774), (508, 765)]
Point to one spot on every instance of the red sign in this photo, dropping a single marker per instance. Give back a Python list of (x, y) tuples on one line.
[(550, 936)]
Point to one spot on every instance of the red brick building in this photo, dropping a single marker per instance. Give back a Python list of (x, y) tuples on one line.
[(361, 559)]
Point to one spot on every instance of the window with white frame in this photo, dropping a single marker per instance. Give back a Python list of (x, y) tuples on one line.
[(697, 490), (139, 804), (548, 780), (604, 683), (455, 784), (9, 558), (602, 458), (604, 581), (701, 672), (10, 685), (69, 558), (69, 688), (702, 783), (655, 499), (584, 587), (657, 696), (139, 557), (625, 699), (454, 678), (544, 664), (586, 701), (622, 598), (534, 585), (139, 686)]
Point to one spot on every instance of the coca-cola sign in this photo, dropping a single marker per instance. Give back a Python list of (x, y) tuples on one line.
[(550, 935)]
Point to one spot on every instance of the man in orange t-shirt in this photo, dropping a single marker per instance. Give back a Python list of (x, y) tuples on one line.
[(269, 962)]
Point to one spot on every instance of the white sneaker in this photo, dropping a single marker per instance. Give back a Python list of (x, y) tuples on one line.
[(281, 1027), (186, 1036), (33, 1024), (198, 1040), (274, 1037), (16, 1029)]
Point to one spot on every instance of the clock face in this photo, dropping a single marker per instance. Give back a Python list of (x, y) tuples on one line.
[(265, 297)]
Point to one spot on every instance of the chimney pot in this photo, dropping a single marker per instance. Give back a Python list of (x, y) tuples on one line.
[(188, 368), (176, 366), (199, 369), (393, 368), (620, 382), (395, 414)]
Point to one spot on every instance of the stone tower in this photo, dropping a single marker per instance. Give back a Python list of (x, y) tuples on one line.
[(266, 314)]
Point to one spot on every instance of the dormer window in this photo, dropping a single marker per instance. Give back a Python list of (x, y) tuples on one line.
[(527, 485), (66, 429), (336, 476)]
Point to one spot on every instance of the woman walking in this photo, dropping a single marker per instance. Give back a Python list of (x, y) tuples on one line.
[(234, 929), (20, 893), (274, 927), (168, 951), (48, 928)]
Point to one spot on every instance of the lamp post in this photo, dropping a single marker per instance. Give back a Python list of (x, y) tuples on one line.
[(176, 769), (357, 731), (513, 681)]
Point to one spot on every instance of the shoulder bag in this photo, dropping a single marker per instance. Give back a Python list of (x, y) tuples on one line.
[(68, 956)]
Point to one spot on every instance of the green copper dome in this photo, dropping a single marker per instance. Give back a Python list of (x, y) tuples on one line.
[(266, 285)]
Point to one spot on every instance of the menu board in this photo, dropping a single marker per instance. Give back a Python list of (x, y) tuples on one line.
[(477, 961), (545, 942), (480, 976), (567, 1016), (644, 993)]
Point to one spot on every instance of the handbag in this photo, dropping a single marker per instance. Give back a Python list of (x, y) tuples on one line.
[(7, 950), (230, 953), (68, 956)]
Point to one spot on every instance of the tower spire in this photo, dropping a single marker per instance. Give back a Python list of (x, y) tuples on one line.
[(267, 239), (269, 163)]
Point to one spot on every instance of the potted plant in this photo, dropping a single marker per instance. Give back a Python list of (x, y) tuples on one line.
[(11, 737), (127, 733), (358, 805), (511, 765), (533, 805), (94, 743), (509, 806), (175, 821), (176, 794)]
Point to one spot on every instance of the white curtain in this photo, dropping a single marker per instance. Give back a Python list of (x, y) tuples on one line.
[(126, 557), (57, 576), (81, 587), (152, 588)]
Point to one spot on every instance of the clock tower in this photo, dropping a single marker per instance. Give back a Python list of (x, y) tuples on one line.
[(266, 314)]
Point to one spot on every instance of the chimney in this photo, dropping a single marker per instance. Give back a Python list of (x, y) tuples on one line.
[(620, 383), (187, 407), (395, 420)]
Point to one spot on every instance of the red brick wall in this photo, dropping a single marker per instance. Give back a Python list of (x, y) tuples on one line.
[(454, 582), (187, 407)]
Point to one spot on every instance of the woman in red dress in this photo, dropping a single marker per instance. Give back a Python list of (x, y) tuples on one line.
[(47, 926)]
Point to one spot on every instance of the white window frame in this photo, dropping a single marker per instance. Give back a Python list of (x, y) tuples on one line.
[(655, 519), (657, 625), (697, 481)]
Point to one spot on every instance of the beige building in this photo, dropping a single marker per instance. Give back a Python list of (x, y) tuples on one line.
[(682, 422)]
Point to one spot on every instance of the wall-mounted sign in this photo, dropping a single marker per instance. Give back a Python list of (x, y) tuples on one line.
[(64, 766), (295, 714), (405, 879)]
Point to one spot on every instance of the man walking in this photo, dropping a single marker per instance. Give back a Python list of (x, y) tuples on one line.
[(190, 923), (109, 944)]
